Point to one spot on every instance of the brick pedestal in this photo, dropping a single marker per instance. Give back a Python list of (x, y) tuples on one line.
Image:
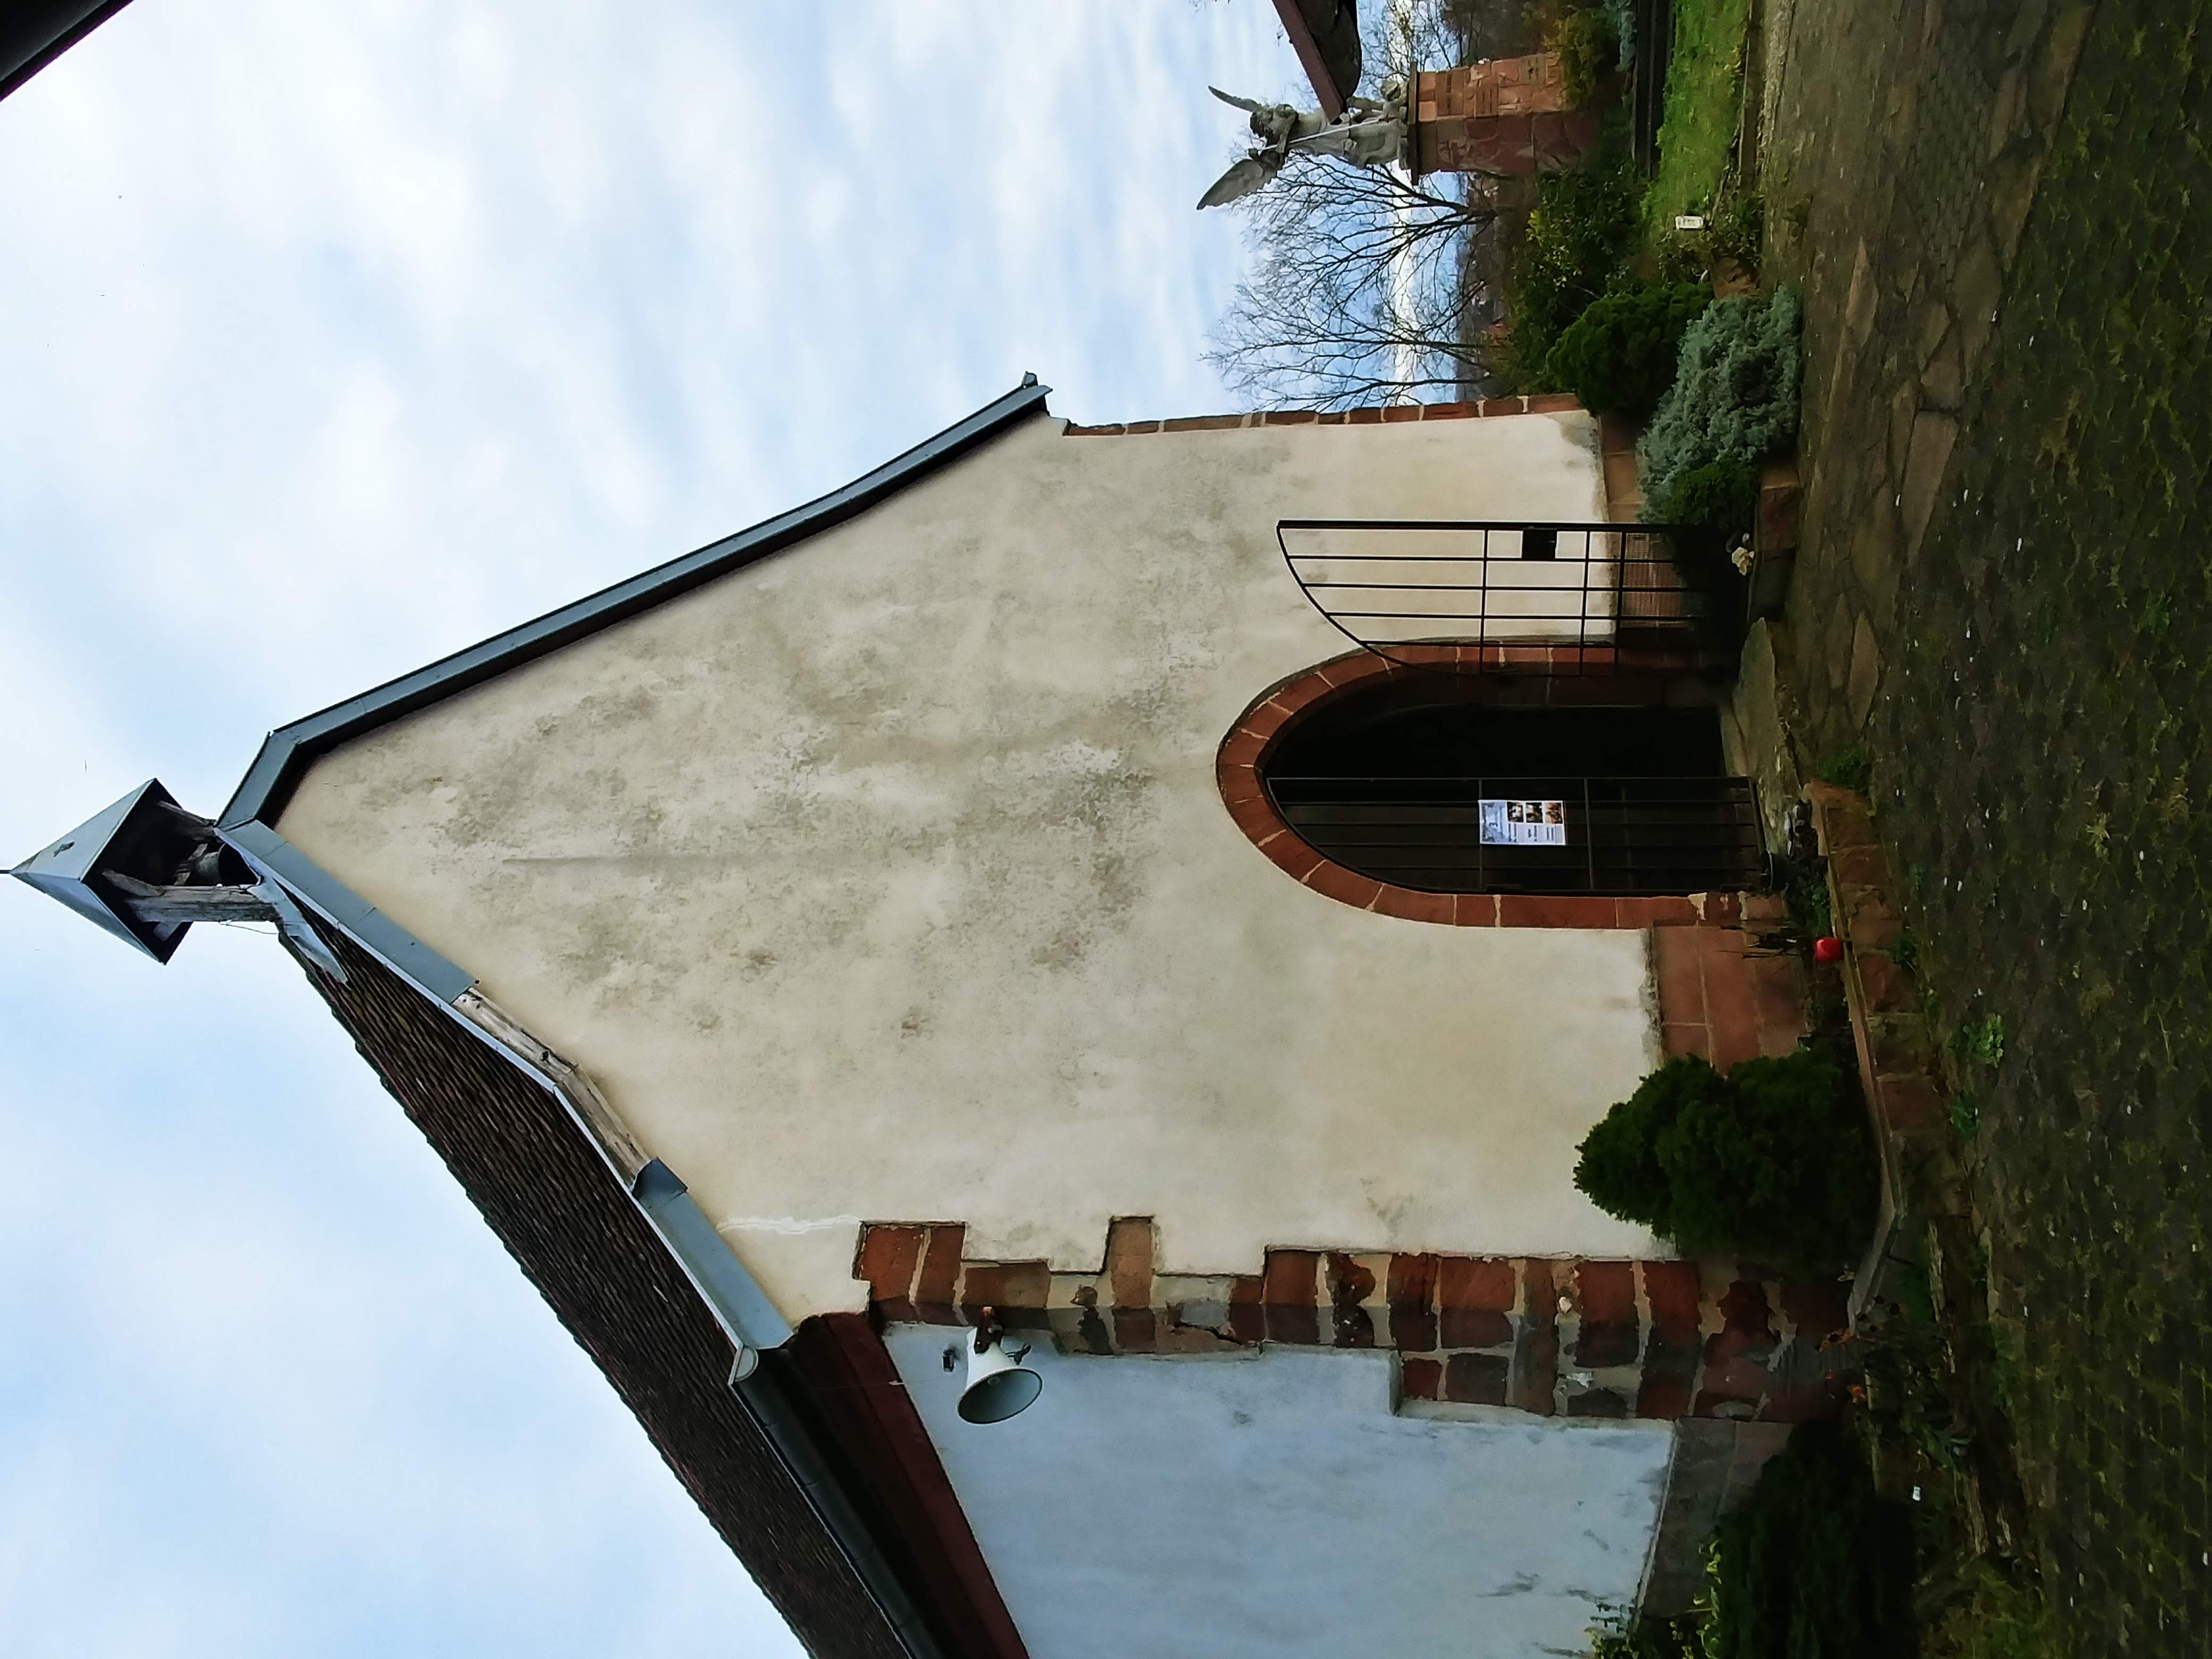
[(1506, 116)]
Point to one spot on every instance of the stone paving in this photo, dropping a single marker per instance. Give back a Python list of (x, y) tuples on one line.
[(2001, 218)]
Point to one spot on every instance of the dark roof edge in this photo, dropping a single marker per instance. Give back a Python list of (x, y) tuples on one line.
[(31, 44), (288, 751)]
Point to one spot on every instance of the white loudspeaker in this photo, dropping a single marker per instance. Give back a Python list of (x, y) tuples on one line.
[(999, 1385)]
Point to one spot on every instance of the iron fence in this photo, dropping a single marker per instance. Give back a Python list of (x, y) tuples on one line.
[(1533, 597)]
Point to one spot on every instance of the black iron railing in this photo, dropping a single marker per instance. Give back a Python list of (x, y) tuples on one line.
[(1532, 597), (1617, 835)]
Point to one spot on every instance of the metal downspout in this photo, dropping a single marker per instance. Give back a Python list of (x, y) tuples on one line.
[(767, 1395), (747, 1318)]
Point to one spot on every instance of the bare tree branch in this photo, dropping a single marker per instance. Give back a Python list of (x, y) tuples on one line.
[(1360, 286)]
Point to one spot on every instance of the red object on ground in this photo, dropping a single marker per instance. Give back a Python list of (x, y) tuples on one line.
[(1828, 950)]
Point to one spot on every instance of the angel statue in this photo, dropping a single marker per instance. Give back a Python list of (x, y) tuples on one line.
[(1370, 133)]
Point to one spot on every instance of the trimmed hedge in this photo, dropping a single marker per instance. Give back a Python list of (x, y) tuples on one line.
[(1774, 1160), (1618, 356)]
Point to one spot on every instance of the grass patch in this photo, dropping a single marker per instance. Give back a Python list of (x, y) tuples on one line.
[(1603, 227), (1705, 96)]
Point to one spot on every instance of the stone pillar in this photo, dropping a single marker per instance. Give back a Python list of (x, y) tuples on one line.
[(1509, 115)]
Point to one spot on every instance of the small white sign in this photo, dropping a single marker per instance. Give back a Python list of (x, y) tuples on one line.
[(1689, 221), (1522, 822)]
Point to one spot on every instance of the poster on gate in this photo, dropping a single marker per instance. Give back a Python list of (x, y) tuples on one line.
[(1522, 822)]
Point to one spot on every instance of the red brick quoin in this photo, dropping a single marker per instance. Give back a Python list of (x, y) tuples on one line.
[(1573, 1337), (1236, 769)]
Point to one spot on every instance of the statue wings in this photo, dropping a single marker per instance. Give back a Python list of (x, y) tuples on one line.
[(1242, 179), (1245, 104)]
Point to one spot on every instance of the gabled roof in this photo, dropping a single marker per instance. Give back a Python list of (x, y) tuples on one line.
[(799, 1461), (289, 750)]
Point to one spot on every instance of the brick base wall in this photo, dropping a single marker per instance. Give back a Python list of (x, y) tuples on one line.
[(1542, 402), (1567, 1338)]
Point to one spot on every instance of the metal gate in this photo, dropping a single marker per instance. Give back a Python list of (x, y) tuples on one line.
[(1623, 836), (1595, 595)]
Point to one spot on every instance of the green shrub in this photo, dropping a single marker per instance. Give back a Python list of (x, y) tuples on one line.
[(1815, 1564), (1998, 1616), (1651, 1638), (1581, 234), (1904, 951), (1849, 769), (1719, 495), (1774, 1160), (1621, 1168), (1739, 230), (1979, 1041), (1808, 903), (1587, 45), (1618, 357), (1735, 396)]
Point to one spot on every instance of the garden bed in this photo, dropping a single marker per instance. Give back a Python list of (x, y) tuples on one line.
[(1897, 1068)]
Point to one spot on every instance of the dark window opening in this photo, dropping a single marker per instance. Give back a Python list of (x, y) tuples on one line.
[(1415, 783)]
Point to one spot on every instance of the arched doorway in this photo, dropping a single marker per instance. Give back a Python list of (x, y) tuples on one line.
[(1427, 782)]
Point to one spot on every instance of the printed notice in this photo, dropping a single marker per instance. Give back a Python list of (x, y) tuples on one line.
[(1524, 823)]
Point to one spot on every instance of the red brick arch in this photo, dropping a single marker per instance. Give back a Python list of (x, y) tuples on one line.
[(1262, 725)]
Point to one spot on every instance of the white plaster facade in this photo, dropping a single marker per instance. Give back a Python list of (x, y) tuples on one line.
[(1272, 1503), (888, 879)]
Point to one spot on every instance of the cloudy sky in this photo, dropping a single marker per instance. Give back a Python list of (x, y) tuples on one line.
[(333, 337)]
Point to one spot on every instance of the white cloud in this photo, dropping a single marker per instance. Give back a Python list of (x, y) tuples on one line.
[(339, 336)]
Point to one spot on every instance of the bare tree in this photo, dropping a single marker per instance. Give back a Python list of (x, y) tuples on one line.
[(1361, 286)]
